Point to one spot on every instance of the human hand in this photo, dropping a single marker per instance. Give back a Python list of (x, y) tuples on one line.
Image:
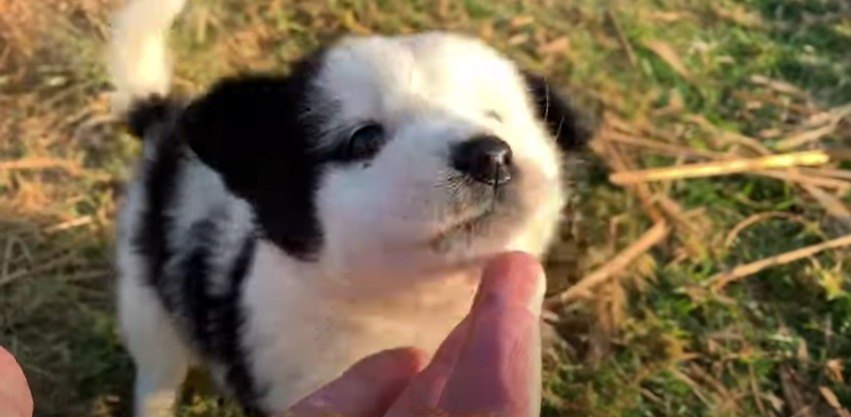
[(490, 364), (15, 397)]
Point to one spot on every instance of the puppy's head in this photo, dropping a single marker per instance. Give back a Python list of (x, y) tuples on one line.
[(378, 153)]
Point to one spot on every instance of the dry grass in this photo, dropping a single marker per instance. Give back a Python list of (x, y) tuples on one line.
[(683, 84)]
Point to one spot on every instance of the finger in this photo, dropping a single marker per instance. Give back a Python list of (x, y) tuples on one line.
[(498, 371), (514, 278), (15, 397), (367, 389), (422, 394)]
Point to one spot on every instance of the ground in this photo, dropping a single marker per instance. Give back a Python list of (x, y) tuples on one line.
[(666, 332)]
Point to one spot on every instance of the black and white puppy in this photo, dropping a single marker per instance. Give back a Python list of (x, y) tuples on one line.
[(281, 227)]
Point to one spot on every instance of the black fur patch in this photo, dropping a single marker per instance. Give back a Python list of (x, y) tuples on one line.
[(193, 275), (213, 322), (216, 321), (148, 113), (251, 130), (571, 128), (160, 180), (230, 334)]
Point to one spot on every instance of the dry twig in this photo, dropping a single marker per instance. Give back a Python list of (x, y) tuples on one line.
[(834, 116), (665, 148), (834, 206), (69, 224), (794, 176), (622, 39), (827, 172), (782, 87), (620, 163), (801, 138), (582, 289), (720, 281), (666, 53), (819, 177), (41, 163), (43, 267), (725, 167), (756, 218)]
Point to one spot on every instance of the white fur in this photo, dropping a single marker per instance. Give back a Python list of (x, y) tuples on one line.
[(379, 282), (139, 62), (429, 91), (312, 327)]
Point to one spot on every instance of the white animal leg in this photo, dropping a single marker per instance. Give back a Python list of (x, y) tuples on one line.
[(162, 359)]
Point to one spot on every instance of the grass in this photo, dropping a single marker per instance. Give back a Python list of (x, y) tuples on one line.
[(653, 341)]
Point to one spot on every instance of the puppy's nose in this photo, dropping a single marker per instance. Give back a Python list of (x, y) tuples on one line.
[(486, 159)]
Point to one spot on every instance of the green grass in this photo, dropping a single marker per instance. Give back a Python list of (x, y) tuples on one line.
[(653, 342)]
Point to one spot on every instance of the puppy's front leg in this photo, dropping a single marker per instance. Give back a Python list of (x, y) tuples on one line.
[(161, 358)]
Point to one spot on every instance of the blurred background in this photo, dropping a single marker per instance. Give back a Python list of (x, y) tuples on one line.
[(715, 284)]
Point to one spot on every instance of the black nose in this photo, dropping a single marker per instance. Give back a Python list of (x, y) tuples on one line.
[(484, 158)]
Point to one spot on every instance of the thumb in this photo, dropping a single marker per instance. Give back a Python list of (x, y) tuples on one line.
[(367, 389), (490, 363), (498, 370)]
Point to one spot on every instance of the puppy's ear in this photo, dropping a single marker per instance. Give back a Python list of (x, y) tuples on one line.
[(244, 127), (250, 131), (571, 127)]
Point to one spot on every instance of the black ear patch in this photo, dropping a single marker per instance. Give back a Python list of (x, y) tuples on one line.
[(243, 125), (571, 127), (249, 129)]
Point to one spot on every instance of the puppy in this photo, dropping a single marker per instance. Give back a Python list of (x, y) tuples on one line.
[(281, 227)]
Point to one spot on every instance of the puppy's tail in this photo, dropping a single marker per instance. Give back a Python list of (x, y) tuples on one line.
[(139, 61)]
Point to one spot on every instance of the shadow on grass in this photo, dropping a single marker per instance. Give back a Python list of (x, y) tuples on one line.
[(57, 318), (816, 35)]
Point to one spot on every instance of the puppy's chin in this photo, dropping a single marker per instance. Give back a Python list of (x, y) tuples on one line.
[(484, 223)]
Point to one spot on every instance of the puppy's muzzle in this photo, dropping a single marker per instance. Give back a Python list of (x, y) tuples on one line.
[(486, 159)]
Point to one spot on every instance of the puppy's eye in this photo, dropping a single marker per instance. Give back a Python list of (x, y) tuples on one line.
[(365, 142)]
